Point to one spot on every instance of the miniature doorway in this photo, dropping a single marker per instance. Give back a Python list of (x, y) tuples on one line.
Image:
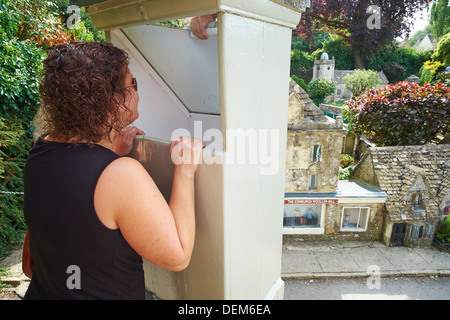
[(398, 234)]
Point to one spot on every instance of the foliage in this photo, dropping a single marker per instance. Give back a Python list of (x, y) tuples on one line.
[(346, 166), (439, 60), (26, 30), (21, 64), (346, 161), (349, 19), (443, 231), (442, 52), (177, 23), (14, 146), (302, 65), (429, 71), (319, 89), (31, 20), (344, 173), (401, 114), (440, 18), (300, 43), (409, 58), (444, 77), (300, 82), (361, 80), (85, 30)]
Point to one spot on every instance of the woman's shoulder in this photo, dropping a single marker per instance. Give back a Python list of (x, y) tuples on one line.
[(124, 166)]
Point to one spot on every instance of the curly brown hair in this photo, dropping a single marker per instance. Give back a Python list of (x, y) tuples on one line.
[(81, 91)]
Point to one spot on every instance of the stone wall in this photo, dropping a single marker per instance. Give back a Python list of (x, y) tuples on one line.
[(299, 166)]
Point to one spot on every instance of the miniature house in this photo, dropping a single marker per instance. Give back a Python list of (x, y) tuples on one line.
[(233, 85), (416, 179), (317, 205), (324, 68)]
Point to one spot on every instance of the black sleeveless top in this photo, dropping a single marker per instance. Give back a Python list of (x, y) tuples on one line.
[(74, 255)]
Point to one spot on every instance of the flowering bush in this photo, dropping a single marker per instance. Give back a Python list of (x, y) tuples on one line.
[(401, 114), (429, 70)]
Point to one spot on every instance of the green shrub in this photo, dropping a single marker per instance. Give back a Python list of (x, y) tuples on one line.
[(14, 146), (409, 58), (302, 65), (439, 60), (21, 65), (346, 161), (319, 89), (429, 71), (442, 52), (401, 114), (443, 231), (360, 81), (300, 82), (346, 166), (344, 173)]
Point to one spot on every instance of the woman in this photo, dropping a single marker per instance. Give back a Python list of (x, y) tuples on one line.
[(91, 212)]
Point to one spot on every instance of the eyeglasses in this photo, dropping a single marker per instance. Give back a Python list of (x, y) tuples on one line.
[(133, 84)]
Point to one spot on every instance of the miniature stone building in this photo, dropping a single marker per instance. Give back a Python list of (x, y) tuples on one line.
[(325, 69), (318, 206), (416, 179), (314, 145)]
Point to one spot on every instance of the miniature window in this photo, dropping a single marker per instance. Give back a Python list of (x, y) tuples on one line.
[(312, 182), (422, 230), (354, 219), (315, 153), (302, 215), (417, 202)]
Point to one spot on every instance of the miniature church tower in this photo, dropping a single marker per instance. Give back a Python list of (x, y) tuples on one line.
[(324, 68)]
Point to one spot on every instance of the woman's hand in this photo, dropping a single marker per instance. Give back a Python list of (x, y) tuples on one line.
[(199, 24), (124, 141), (186, 154)]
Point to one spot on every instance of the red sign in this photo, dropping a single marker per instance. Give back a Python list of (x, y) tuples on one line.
[(310, 201)]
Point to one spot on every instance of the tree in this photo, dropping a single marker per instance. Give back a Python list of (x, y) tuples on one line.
[(442, 52), (440, 18), (366, 25)]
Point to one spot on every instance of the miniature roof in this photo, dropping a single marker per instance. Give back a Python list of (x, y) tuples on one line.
[(307, 115), (399, 171)]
